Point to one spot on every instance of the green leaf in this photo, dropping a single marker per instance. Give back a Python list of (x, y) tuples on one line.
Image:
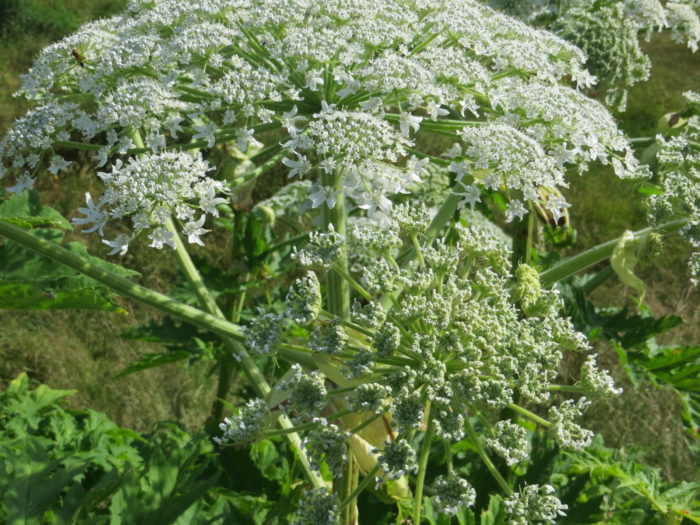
[(495, 514), (25, 211), (31, 281), (672, 357), (154, 360)]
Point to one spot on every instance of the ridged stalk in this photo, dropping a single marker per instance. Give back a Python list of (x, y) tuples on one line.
[(580, 262), (251, 370)]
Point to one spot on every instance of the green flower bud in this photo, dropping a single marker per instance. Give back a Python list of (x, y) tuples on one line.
[(527, 290), (304, 299)]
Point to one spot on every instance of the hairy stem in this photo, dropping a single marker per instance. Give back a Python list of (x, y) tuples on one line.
[(120, 284), (530, 415)]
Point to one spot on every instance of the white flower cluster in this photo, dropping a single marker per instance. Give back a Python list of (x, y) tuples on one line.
[(151, 189), (597, 382), (509, 442), (608, 32), (348, 86), (679, 172)]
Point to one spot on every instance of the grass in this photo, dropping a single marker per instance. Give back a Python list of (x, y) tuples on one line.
[(86, 351)]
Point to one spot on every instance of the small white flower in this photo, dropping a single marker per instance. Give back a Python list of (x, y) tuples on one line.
[(289, 121), (415, 168), (314, 79), (298, 167), (471, 195), (23, 182), (160, 237), (210, 201), (515, 209), (206, 132), (350, 87), (244, 137), (407, 121), (58, 163), (172, 124), (461, 168), (323, 195), (119, 245), (193, 230), (93, 214), (556, 204)]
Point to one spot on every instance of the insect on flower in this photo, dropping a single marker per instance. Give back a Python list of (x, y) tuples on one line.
[(79, 58)]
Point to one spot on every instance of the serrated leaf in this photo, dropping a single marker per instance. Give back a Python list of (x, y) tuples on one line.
[(155, 360), (672, 356), (25, 211), (31, 281)]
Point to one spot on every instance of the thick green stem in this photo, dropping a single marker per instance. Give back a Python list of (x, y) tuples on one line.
[(360, 487), (530, 415), (523, 236), (208, 303), (577, 263), (338, 303), (423, 466), (474, 438), (341, 270), (338, 290), (251, 370), (120, 284), (348, 491)]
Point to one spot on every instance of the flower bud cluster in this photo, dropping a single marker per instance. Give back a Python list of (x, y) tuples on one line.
[(608, 32), (534, 504), (453, 493), (510, 442), (303, 301), (679, 173), (318, 507), (327, 443), (464, 337), (246, 425)]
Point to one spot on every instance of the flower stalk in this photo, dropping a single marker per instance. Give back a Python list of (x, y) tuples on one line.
[(423, 465), (580, 262)]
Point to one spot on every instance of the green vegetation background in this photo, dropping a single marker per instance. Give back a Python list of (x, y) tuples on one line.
[(84, 350)]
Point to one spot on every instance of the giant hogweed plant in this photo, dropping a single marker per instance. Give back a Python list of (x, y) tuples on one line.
[(609, 32), (404, 330)]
